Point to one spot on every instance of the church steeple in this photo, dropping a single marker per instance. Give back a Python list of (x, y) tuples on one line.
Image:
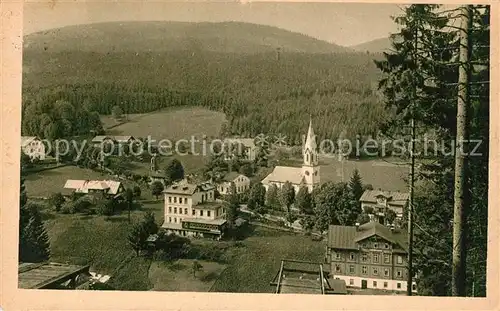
[(309, 150)]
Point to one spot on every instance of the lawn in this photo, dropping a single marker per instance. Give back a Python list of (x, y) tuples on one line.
[(45, 183), (255, 264), (193, 164), (178, 276), (173, 124), (102, 243)]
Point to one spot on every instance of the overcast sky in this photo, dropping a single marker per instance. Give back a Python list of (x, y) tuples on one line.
[(342, 23)]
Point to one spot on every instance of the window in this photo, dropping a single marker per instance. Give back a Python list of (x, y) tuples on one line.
[(169, 219), (185, 211), (337, 268), (175, 199), (386, 245), (194, 212), (399, 273), (175, 210), (175, 220), (351, 256), (385, 284), (386, 272), (169, 199), (398, 285), (375, 271), (208, 213), (387, 258), (375, 245), (374, 283), (351, 281), (414, 287), (351, 268), (337, 255), (364, 257), (375, 258), (400, 260), (170, 209), (201, 212), (364, 269)]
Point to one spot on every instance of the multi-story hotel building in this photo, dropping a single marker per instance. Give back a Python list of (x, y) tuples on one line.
[(192, 210), (368, 256)]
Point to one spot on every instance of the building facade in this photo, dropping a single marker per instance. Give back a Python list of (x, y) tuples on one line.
[(308, 175), (192, 210), (241, 183), (244, 147), (377, 202), (107, 187), (369, 256), (33, 147)]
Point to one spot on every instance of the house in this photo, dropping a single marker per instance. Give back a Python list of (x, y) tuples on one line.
[(33, 147), (107, 187), (368, 256), (241, 182), (192, 210), (121, 140), (242, 146), (376, 203), (308, 175)]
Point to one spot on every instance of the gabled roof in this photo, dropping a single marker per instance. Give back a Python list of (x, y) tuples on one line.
[(83, 186), (284, 174), (25, 140), (101, 138), (232, 176), (347, 237), (393, 197)]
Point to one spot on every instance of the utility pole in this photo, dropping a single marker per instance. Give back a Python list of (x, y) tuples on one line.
[(409, 281), (459, 201)]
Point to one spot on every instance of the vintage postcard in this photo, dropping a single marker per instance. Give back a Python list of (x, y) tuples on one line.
[(249, 155)]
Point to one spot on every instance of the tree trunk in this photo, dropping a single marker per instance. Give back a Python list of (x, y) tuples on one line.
[(460, 204)]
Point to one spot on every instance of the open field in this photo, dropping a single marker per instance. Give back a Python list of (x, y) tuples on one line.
[(45, 183), (178, 276), (255, 264), (173, 124), (386, 174)]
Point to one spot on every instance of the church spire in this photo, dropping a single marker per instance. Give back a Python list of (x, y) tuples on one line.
[(310, 138)]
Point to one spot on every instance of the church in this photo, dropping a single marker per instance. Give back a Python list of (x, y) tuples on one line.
[(307, 175)]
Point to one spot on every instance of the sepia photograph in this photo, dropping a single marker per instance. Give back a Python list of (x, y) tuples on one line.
[(315, 148)]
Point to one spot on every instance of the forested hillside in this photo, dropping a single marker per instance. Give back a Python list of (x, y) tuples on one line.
[(259, 92)]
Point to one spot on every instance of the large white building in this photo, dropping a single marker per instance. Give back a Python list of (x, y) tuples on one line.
[(307, 175), (192, 210)]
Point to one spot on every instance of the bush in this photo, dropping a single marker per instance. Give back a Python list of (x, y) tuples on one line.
[(105, 207)]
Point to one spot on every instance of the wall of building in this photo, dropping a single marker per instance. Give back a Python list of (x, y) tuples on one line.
[(35, 150)]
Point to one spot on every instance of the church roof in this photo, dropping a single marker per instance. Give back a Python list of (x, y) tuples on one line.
[(285, 173)]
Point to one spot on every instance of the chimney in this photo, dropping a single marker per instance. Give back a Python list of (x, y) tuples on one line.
[(357, 226)]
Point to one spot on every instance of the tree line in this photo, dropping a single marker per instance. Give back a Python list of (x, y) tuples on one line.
[(257, 93)]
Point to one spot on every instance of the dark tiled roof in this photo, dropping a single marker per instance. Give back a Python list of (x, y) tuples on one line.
[(346, 237), (393, 197), (181, 189)]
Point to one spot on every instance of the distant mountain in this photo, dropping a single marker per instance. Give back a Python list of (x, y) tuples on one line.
[(233, 37), (374, 46)]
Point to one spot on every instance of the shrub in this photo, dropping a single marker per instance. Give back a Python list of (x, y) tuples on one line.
[(105, 207)]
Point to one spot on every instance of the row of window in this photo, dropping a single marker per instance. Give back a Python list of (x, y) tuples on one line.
[(364, 270), (386, 284), (204, 197), (193, 212), (376, 258)]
